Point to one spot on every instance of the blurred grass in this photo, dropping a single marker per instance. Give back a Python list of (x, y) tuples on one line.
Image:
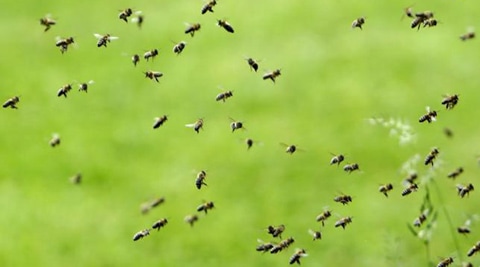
[(333, 79)]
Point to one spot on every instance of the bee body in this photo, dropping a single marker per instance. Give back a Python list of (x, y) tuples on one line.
[(153, 75), (344, 199), (200, 180), (445, 262), (135, 59), (456, 173), (358, 23), (159, 224), (253, 64), (197, 125), (272, 75), (295, 258), (384, 189), (411, 188), (64, 90), (159, 121), (282, 245), (276, 231), (64, 43), (141, 234), (431, 156), (474, 249), (47, 22), (206, 206), (191, 219), (178, 48), (337, 159), (450, 101), (343, 222), (224, 96), (323, 217), (351, 167), (191, 29), (12, 102), (208, 7), (464, 190), (103, 40), (224, 24), (150, 54), (125, 14)]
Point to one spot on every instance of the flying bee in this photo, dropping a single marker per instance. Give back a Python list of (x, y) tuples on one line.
[(421, 219), (264, 247), (146, 207), (125, 14), (159, 121), (64, 90), (150, 54), (138, 19), (445, 262), (289, 148), (249, 143), (191, 219), (351, 167), (474, 249), (465, 229), (253, 64), (196, 126), (343, 222), (223, 96), (431, 156), (455, 173), (448, 132), (464, 190), (178, 48), (408, 11), (200, 180), (467, 36), (192, 28), (47, 22), (272, 75), (159, 224), (135, 59), (322, 217), (153, 75), (224, 24), (295, 258), (235, 125), (450, 101), (357, 23), (413, 187), (337, 159), (282, 245), (344, 199), (84, 86), (411, 178), (276, 231), (430, 23), (315, 234), (467, 264), (104, 39), (64, 43), (384, 189), (76, 179), (430, 116), (206, 206), (55, 141), (421, 18), (208, 7), (141, 234), (11, 102)]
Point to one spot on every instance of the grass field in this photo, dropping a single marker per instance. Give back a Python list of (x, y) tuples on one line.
[(334, 80)]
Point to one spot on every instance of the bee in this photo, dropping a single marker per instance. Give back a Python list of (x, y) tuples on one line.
[(421, 18), (249, 143), (276, 231), (224, 24), (431, 156), (47, 22), (157, 202), (430, 116), (141, 234), (200, 180), (272, 75), (411, 178), (191, 29), (159, 121), (191, 219), (408, 11), (64, 43), (159, 224), (178, 48), (467, 36), (337, 159), (146, 207), (84, 86), (430, 23), (385, 188), (421, 219), (196, 126), (413, 187), (11, 102), (208, 7), (289, 148), (150, 54), (464, 190), (64, 90), (343, 222), (358, 23), (351, 167), (445, 262), (463, 230), (322, 217), (76, 179), (139, 19), (223, 96), (282, 245), (125, 14), (295, 258), (253, 64), (448, 132), (344, 199), (264, 247), (153, 75), (474, 249), (206, 206), (450, 101), (55, 141), (467, 264), (455, 173), (135, 59), (235, 125), (104, 39), (316, 234)]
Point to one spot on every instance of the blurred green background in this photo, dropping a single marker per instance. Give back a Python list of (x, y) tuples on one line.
[(334, 78)]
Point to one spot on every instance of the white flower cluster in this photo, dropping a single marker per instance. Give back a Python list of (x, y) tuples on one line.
[(399, 128)]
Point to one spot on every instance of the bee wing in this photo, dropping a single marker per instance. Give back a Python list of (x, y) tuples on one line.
[(190, 125), (311, 232), (98, 36), (111, 38), (285, 145)]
